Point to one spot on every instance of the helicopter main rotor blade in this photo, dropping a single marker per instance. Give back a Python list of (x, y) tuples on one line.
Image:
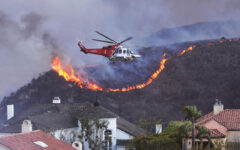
[(104, 41), (127, 39), (106, 37)]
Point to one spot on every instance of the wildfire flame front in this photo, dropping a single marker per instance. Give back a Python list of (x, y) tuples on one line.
[(84, 83)]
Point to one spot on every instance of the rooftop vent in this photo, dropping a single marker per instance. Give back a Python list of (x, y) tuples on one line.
[(41, 144), (77, 145), (56, 100)]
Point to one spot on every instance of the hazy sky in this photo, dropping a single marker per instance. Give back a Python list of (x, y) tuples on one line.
[(33, 31)]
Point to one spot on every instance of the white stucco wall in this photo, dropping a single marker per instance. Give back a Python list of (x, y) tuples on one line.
[(67, 136), (121, 135), (113, 127), (233, 136), (120, 148)]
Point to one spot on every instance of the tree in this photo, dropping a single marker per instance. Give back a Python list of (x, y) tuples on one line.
[(192, 114), (203, 132), (184, 130), (173, 130), (149, 124), (155, 142), (169, 139), (92, 131)]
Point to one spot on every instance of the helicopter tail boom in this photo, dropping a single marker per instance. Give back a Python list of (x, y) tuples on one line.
[(105, 51)]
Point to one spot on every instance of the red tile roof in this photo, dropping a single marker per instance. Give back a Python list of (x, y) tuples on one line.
[(214, 133), (25, 141), (205, 118), (230, 118)]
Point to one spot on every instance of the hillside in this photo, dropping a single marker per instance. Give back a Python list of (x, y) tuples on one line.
[(197, 31), (197, 77)]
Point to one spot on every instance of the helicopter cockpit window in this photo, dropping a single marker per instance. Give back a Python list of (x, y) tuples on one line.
[(120, 51), (124, 51), (128, 51)]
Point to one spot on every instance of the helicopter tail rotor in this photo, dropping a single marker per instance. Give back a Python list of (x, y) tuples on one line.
[(83, 48)]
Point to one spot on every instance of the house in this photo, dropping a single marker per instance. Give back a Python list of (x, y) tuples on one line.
[(35, 140), (63, 122), (223, 124)]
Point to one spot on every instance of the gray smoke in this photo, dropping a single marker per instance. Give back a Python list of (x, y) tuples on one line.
[(22, 54), (33, 32)]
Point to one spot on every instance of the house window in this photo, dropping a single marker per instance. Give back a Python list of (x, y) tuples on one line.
[(108, 140), (108, 132)]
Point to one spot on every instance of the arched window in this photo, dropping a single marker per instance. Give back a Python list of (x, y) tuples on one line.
[(108, 139), (108, 132)]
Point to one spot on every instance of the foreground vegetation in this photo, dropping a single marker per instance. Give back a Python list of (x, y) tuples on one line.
[(176, 131), (169, 139)]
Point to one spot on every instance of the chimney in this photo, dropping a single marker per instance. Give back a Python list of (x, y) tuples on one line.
[(77, 145), (26, 126), (158, 128), (56, 100), (10, 111), (217, 107)]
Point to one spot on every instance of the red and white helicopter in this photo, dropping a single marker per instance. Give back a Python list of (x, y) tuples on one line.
[(115, 52)]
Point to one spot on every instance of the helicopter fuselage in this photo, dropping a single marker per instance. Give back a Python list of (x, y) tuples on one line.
[(114, 52)]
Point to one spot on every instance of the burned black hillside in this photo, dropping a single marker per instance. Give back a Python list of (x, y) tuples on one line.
[(197, 77)]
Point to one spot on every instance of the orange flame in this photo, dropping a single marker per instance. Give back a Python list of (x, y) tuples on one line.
[(56, 66), (84, 83), (190, 48)]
